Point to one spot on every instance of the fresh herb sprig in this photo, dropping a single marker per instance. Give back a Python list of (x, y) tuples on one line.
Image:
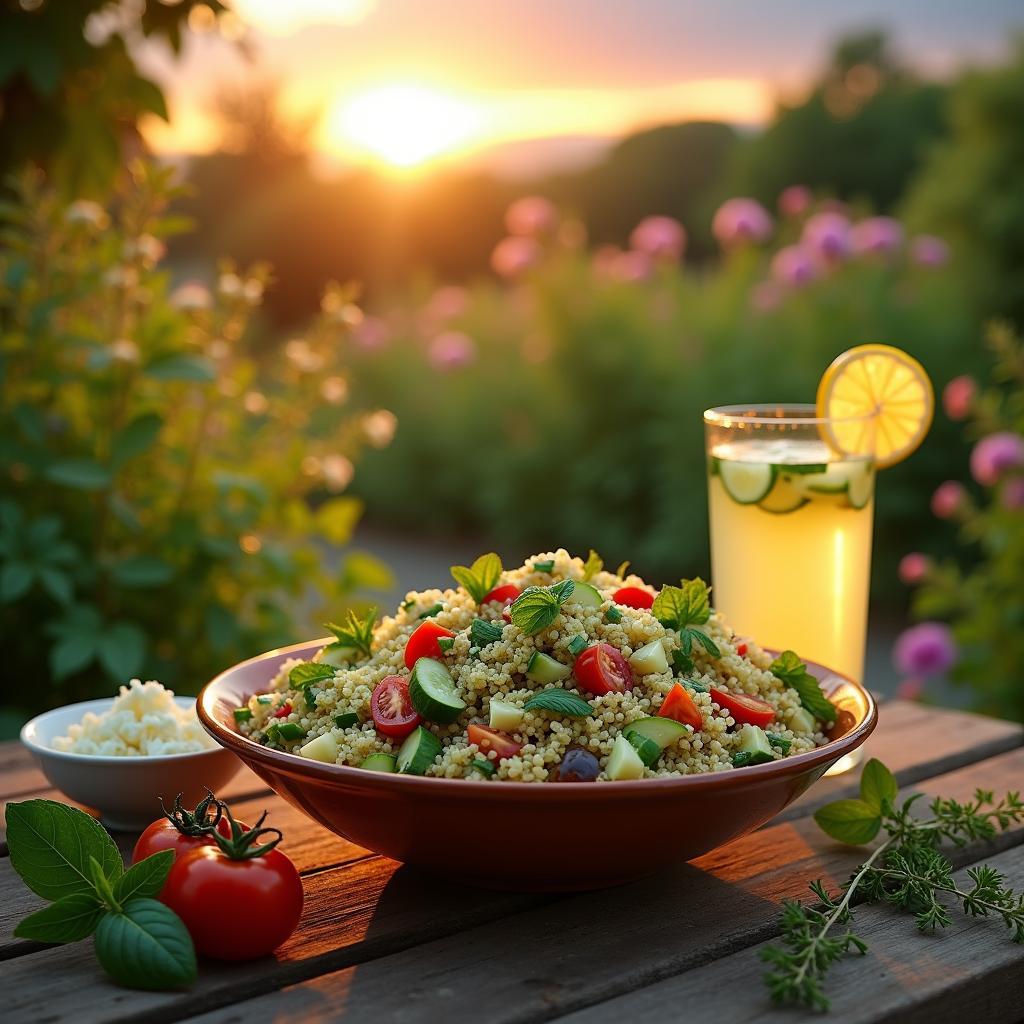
[(907, 870), (480, 578), (537, 607), (67, 857), (793, 672), (356, 633), (593, 565), (684, 608)]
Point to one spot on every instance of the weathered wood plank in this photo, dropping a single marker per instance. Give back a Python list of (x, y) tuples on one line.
[(421, 946), (971, 971)]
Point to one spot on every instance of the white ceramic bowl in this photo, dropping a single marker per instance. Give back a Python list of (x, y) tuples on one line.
[(125, 790)]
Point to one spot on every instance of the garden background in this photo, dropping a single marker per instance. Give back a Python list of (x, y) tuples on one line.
[(236, 383)]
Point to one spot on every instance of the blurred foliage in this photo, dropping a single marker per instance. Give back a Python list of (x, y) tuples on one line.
[(71, 93), (861, 134), (985, 603), (155, 478), (971, 189)]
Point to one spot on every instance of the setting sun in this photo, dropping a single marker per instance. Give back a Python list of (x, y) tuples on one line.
[(403, 124)]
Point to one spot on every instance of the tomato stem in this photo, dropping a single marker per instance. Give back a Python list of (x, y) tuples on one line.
[(198, 822), (242, 845)]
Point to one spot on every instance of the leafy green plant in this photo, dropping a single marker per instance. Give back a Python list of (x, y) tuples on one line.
[(906, 870), (171, 492)]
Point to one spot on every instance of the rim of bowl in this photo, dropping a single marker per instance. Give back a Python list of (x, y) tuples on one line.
[(282, 760), (106, 759)]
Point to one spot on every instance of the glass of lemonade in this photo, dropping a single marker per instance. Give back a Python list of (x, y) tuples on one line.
[(791, 531)]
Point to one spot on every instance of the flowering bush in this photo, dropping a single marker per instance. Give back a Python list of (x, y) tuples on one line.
[(981, 641), (565, 400), (155, 470)]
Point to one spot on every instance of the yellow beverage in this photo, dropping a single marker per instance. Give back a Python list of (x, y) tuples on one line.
[(791, 542)]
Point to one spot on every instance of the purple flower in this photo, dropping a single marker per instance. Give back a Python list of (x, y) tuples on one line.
[(371, 333), (447, 303), (994, 455), (948, 499), (958, 397), (925, 650), (913, 568), (531, 216), (878, 236), (792, 266), (1011, 497), (662, 238), (827, 236), (450, 350), (795, 201), (929, 251), (765, 296), (741, 221), (514, 255)]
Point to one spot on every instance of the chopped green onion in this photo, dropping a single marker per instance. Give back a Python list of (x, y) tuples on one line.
[(287, 730), (346, 719), (577, 644), (483, 766), (242, 714), (744, 758), (780, 741), (406, 605), (696, 686), (264, 698), (482, 632), (432, 610), (547, 567), (613, 615), (446, 643)]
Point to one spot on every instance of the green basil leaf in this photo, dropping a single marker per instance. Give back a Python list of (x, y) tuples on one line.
[(71, 918), (793, 672), (878, 785), (560, 701), (50, 846), (146, 947), (145, 878), (310, 672), (849, 821), (593, 565), (481, 577), (537, 607)]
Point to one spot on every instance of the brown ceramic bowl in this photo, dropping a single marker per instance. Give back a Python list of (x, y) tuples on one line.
[(557, 837)]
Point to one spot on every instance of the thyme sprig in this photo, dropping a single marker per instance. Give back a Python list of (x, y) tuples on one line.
[(907, 870)]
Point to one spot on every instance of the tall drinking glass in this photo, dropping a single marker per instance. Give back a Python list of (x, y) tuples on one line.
[(790, 532)]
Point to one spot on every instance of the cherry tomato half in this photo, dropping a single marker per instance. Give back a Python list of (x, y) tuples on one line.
[(633, 597), (504, 594), (423, 642), (745, 709), (235, 909), (603, 669), (679, 705), (490, 739), (391, 707)]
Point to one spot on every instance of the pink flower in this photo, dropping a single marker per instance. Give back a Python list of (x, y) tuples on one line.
[(531, 216), (929, 251), (876, 236), (604, 260), (795, 201), (994, 455), (663, 238), (741, 221), (514, 255), (925, 650), (450, 350), (792, 266), (631, 266), (910, 689), (958, 397), (765, 296), (948, 499), (1011, 497), (827, 236), (913, 568), (447, 302), (371, 333)]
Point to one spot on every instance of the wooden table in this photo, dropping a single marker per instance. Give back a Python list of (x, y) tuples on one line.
[(380, 942)]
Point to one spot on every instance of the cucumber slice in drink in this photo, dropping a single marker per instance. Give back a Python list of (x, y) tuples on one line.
[(586, 595), (433, 692), (746, 482), (785, 497), (418, 751), (380, 763), (543, 669), (862, 486), (663, 731)]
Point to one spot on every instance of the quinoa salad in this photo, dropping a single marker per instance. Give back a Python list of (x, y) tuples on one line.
[(555, 671)]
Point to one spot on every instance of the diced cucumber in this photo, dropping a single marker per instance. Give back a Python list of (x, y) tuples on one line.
[(346, 719), (746, 482), (433, 692), (242, 714), (264, 698), (586, 595), (578, 644), (650, 658), (613, 614), (754, 740), (663, 731), (289, 731), (418, 751), (544, 669), (483, 766), (801, 720), (624, 762), (380, 763), (784, 497), (648, 750), (323, 748), (337, 655), (504, 716)]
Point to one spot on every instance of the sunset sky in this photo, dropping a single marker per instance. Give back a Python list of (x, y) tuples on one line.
[(407, 82)]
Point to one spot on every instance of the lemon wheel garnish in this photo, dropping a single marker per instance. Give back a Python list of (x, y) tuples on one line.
[(888, 387)]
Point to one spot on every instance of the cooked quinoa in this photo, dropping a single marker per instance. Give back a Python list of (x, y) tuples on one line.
[(497, 672)]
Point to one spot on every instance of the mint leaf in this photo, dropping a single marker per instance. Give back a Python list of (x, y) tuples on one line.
[(146, 947), (688, 634), (850, 821), (686, 605), (793, 672), (145, 878), (783, 743), (560, 701), (71, 918), (593, 565), (310, 672), (51, 844), (878, 785), (482, 632), (356, 632), (537, 607), (481, 577)]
